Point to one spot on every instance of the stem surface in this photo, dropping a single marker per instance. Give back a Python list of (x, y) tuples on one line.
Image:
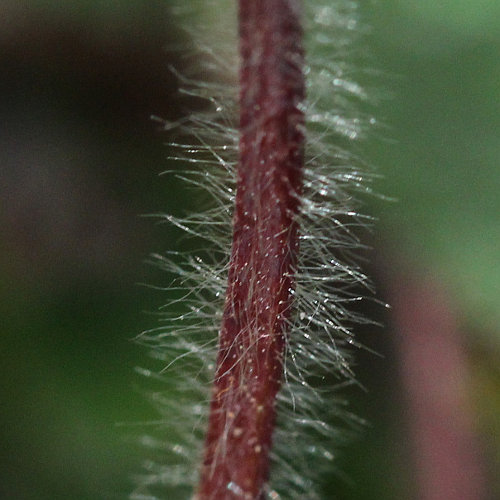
[(256, 315)]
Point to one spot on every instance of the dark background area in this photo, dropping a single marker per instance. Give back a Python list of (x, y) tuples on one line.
[(79, 165)]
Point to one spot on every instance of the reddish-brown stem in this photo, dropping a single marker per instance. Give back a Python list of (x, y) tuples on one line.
[(434, 376), (264, 253)]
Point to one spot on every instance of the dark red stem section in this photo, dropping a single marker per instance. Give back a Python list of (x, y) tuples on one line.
[(264, 253)]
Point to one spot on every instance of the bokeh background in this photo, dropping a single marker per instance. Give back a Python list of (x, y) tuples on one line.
[(79, 165)]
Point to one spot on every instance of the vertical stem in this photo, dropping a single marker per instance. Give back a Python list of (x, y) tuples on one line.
[(264, 252), (434, 375)]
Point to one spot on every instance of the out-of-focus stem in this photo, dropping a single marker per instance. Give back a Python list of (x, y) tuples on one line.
[(264, 252), (435, 380)]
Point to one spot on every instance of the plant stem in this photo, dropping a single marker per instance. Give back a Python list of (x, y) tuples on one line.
[(264, 252), (434, 375)]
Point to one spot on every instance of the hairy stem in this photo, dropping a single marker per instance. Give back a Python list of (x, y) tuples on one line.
[(264, 252)]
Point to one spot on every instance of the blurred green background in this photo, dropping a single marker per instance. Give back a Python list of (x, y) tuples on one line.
[(79, 160)]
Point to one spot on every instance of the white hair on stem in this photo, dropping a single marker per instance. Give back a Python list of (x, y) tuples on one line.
[(319, 341)]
